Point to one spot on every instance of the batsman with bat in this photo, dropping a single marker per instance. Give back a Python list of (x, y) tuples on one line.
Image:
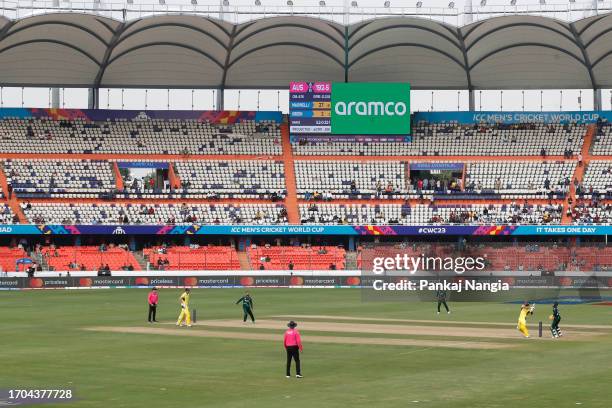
[(526, 309)]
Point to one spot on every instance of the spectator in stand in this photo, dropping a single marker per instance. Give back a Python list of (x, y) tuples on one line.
[(291, 265), (9, 189)]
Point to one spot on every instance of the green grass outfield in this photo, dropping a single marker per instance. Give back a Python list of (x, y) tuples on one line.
[(43, 345)]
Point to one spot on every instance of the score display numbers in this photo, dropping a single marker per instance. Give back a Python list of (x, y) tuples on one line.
[(310, 107)]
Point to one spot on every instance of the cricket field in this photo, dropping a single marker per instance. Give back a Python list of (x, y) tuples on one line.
[(356, 353)]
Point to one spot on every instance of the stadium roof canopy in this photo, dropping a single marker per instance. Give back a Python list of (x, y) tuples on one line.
[(183, 51)]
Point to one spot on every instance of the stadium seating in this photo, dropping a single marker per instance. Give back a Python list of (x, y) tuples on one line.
[(592, 213), (602, 141), (598, 178), (519, 179), (452, 139), (141, 136), (6, 215), (336, 177), (229, 179), (89, 258), (60, 178), (193, 258), (279, 257), (61, 213), (9, 257), (385, 214)]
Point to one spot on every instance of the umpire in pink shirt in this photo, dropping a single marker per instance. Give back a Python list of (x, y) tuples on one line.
[(153, 299), (293, 345)]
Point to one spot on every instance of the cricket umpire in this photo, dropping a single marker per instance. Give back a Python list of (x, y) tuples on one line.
[(153, 299), (293, 345), (441, 296)]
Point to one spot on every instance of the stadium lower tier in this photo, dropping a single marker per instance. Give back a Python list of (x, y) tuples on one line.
[(541, 257), (420, 214), (313, 213), (154, 214)]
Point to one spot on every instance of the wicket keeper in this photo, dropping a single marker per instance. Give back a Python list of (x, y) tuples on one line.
[(526, 309), (556, 318), (247, 307), (185, 313)]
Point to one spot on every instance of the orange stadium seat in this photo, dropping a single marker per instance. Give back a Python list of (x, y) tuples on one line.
[(302, 258), (8, 257), (201, 258), (71, 258)]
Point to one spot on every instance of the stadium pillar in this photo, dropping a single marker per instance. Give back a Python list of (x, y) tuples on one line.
[(472, 98), (55, 98), (351, 245), (92, 98), (55, 92), (597, 96), (220, 102)]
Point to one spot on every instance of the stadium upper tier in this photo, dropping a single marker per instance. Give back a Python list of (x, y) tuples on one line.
[(244, 168), (186, 51), (150, 136), (191, 137), (452, 139)]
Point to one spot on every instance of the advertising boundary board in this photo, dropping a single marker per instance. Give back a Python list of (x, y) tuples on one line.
[(310, 230), (248, 280)]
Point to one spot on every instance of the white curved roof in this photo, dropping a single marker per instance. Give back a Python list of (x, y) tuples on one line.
[(183, 51)]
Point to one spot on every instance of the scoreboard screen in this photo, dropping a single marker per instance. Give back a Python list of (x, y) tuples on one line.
[(320, 108), (310, 107)]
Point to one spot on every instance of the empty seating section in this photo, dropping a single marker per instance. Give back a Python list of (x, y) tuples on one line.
[(522, 179), (60, 178), (142, 136), (89, 258), (344, 148), (598, 177), (229, 179), (452, 139), (497, 139), (9, 257), (279, 257), (344, 179), (602, 140), (547, 258), (158, 214), (385, 214), (193, 258), (6, 215)]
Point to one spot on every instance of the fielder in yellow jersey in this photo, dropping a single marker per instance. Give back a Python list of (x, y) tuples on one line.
[(526, 309), (185, 313)]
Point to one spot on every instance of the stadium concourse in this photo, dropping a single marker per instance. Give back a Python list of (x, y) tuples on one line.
[(151, 171)]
